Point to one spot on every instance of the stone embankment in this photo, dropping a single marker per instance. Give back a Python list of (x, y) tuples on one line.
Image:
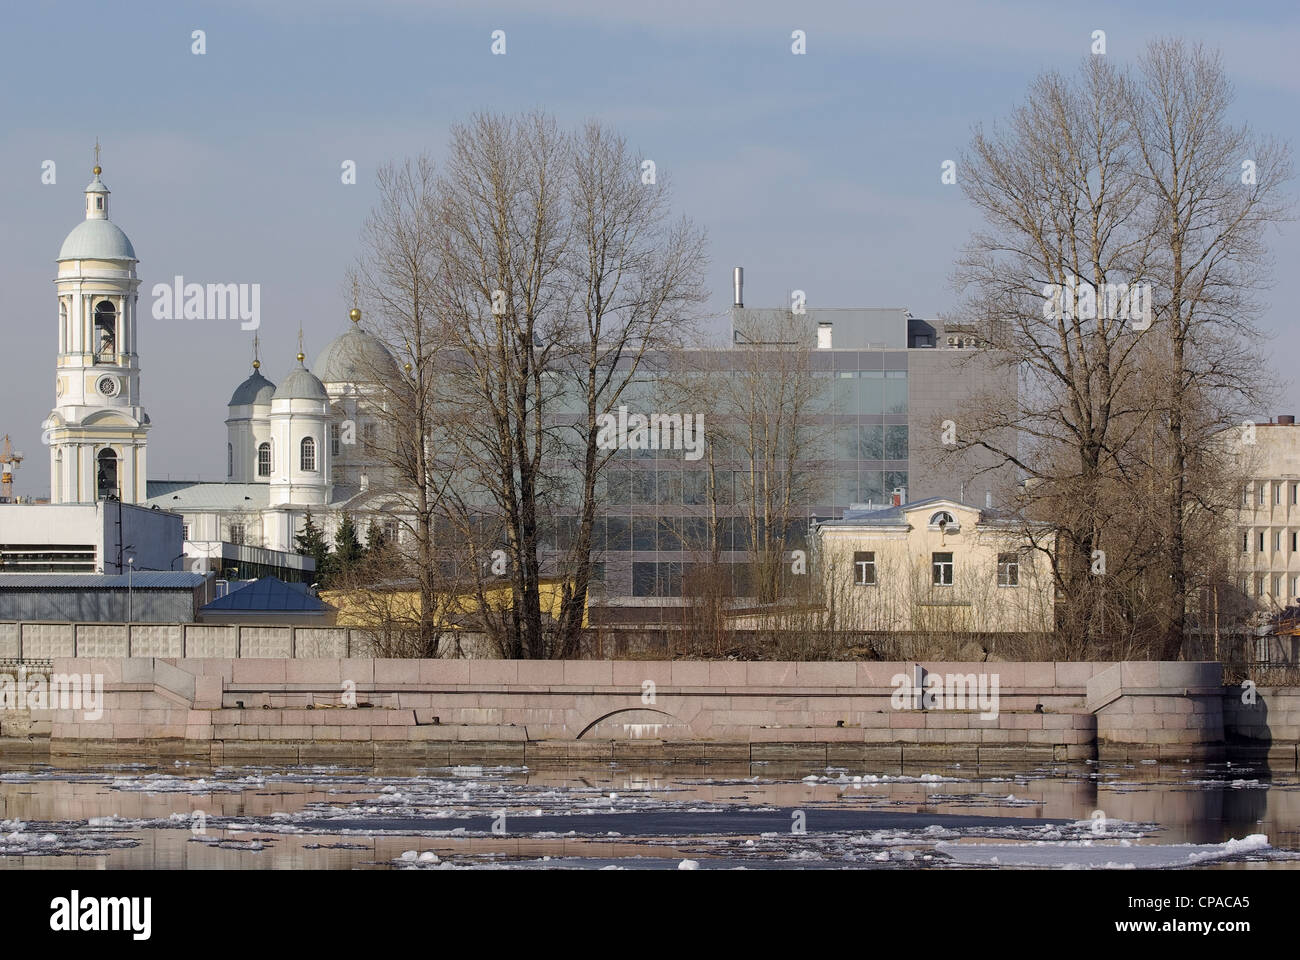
[(447, 711)]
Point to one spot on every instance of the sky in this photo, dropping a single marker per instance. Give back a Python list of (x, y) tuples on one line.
[(819, 172)]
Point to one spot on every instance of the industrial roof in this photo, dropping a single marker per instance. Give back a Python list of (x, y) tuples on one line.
[(269, 594), (144, 580), (182, 495), (896, 515)]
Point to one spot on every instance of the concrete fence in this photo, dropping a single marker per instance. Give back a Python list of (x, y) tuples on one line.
[(41, 640)]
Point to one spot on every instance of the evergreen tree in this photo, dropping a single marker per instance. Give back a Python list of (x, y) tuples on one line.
[(347, 548), (376, 542), (311, 543)]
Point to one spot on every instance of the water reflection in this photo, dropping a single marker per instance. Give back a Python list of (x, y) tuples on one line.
[(191, 816)]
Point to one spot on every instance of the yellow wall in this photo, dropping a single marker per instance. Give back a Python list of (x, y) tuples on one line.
[(361, 608), (904, 597)]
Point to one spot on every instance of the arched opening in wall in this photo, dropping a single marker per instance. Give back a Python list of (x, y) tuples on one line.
[(105, 331), (63, 326), (230, 460), (308, 459), (264, 459), (106, 475)]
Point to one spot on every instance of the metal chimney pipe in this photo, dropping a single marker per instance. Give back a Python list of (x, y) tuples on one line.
[(738, 282)]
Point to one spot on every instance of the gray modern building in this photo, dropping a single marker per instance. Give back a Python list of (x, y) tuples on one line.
[(886, 385), (148, 597)]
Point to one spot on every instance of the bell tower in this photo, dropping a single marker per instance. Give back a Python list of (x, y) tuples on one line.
[(96, 431)]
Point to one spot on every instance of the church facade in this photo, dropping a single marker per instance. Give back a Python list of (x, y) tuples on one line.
[(306, 444)]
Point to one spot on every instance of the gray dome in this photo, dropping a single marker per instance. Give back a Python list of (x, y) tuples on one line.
[(300, 384), (255, 390), (96, 240), (354, 356)]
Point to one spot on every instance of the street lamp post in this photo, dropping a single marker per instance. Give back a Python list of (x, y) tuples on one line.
[(130, 565)]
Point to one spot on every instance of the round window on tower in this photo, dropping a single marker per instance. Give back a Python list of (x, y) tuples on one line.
[(108, 386)]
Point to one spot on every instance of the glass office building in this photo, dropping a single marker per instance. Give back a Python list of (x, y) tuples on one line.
[(882, 380)]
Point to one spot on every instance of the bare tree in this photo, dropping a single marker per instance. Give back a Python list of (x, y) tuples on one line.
[(395, 273), (1116, 273), (1210, 191), (1058, 191), (559, 272)]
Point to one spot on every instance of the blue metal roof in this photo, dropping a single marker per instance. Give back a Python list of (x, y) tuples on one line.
[(144, 580), (269, 594)]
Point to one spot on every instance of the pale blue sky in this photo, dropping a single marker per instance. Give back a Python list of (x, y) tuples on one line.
[(818, 172)]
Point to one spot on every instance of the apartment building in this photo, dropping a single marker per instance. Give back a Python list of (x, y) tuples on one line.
[(1268, 518)]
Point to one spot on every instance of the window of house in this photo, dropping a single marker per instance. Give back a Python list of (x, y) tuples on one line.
[(1294, 488), (1277, 584), (941, 566), (307, 461), (1262, 489), (1259, 586), (1245, 541), (1008, 570), (1245, 495), (237, 533), (335, 434), (1277, 493), (864, 568), (185, 531), (368, 438), (390, 530), (1295, 587), (1261, 541), (230, 460), (1277, 541), (1293, 541), (942, 519), (264, 460)]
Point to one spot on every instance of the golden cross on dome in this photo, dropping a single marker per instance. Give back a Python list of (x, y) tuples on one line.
[(257, 361), (97, 154)]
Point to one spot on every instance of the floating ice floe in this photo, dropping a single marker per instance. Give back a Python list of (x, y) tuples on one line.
[(1100, 856)]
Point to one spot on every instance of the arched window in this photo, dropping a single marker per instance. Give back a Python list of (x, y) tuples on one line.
[(943, 520), (63, 326), (105, 330), (264, 459), (230, 460), (106, 475), (308, 460)]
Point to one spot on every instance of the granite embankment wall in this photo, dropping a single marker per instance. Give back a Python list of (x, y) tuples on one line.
[(464, 710)]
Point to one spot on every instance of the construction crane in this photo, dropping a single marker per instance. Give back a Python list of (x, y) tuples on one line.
[(9, 460)]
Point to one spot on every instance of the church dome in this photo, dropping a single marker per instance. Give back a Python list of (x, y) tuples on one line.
[(255, 391), (97, 240), (300, 384), (354, 356)]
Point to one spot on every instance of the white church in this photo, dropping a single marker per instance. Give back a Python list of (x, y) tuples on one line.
[(306, 444)]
